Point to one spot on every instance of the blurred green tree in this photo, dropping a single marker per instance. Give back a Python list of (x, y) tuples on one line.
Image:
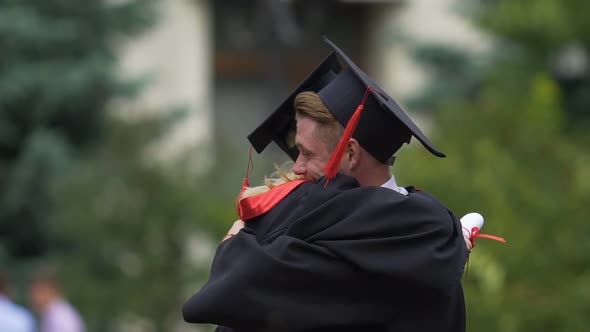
[(57, 65), (515, 132), (81, 188), (135, 239)]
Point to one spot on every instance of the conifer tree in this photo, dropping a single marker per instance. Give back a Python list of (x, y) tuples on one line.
[(57, 64)]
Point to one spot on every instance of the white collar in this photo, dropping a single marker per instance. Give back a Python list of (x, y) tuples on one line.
[(391, 184)]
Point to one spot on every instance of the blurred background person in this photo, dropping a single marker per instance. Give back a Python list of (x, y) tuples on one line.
[(13, 318), (56, 313)]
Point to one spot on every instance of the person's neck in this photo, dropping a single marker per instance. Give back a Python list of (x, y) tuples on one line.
[(373, 177)]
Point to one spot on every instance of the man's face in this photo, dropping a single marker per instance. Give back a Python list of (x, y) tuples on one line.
[(313, 149)]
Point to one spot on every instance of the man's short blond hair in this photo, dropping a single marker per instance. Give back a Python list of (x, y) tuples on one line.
[(329, 129)]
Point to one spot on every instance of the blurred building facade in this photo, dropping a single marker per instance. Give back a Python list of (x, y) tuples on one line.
[(174, 60), (229, 63)]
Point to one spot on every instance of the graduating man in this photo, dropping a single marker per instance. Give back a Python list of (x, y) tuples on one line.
[(344, 249)]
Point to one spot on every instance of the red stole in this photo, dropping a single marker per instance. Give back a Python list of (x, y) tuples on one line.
[(254, 206)]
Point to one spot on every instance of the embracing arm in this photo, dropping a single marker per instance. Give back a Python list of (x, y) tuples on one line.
[(361, 269), (288, 283)]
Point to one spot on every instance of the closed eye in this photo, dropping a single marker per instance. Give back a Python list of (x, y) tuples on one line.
[(303, 151)]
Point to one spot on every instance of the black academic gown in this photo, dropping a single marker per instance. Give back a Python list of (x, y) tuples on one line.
[(340, 258)]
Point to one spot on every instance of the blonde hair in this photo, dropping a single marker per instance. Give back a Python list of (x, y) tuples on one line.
[(329, 129), (278, 177)]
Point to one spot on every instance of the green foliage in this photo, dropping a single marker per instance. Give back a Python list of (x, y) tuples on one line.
[(57, 66), (460, 72), (126, 228), (540, 26), (517, 154), (546, 33), (25, 198), (131, 238)]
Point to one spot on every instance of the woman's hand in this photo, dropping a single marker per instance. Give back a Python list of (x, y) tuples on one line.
[(235, 228)]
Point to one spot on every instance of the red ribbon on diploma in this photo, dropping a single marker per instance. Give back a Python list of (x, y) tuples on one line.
[(474, 234)]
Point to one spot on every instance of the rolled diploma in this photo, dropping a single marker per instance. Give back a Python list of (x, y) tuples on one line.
[(469, 221)]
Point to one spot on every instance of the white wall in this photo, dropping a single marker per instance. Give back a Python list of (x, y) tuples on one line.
[(176, 57)]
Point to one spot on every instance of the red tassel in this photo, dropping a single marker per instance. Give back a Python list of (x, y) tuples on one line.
[(333, 164)]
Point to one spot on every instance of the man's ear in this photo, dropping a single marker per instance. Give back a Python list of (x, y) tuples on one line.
[(353, 153)]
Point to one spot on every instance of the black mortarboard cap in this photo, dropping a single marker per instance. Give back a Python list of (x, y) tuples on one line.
[(383, 126), (280, 126)]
